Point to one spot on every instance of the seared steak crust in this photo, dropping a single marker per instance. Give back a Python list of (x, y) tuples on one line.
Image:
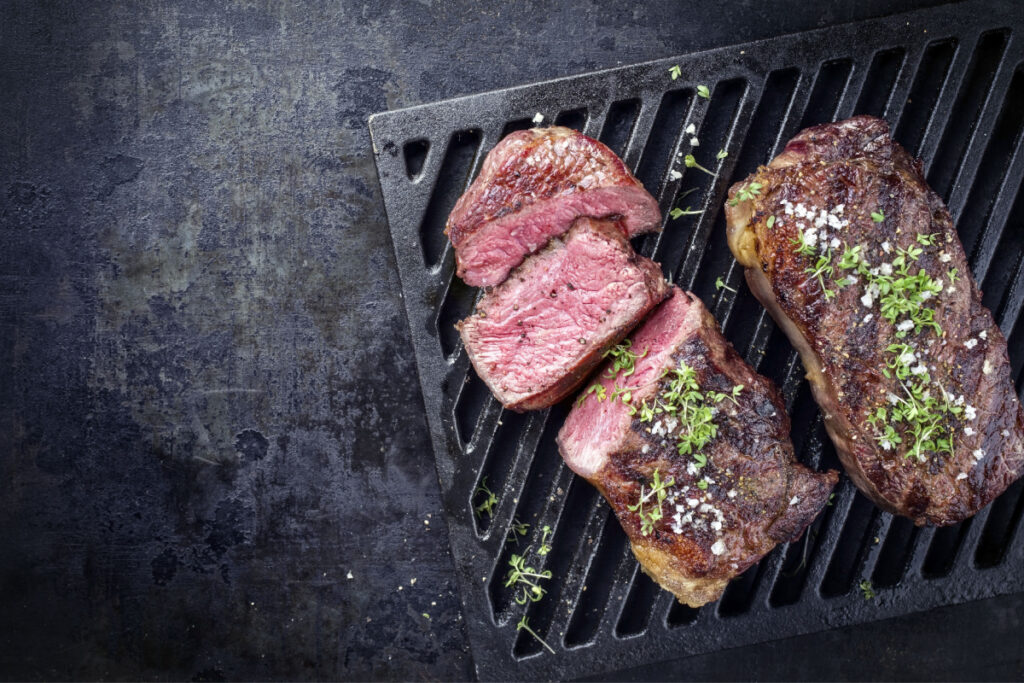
[(536, 336), (845, 185), (532, 186), (756, 494)]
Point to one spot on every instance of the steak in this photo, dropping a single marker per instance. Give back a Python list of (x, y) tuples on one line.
[(536, 336), (532, 186), (679, 405), (858, 261)]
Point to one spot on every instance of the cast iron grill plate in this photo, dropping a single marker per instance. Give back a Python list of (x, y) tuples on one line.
[(950, 80)]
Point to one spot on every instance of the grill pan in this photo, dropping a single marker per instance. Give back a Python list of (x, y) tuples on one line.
[(950, 81)]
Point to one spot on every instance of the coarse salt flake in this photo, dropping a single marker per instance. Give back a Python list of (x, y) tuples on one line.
[(945, 257), (674, 175), (718, 548), (886, 247), (986, 367), (691, 129), (538, 118), (969, 431), (794, 500), (961, 476), (905, 325), (970, 413), (694, 142), (970, 343), (978, 454)]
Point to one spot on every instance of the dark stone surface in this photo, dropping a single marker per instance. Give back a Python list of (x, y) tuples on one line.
[(213, 458)]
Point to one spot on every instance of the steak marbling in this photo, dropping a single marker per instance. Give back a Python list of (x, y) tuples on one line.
[(532, 186), (722, 516), (536, 336), (858, 261)]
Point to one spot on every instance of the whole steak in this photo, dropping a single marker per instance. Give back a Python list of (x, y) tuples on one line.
[(536, 336), (691, 449), (858, 261), (532, 186)]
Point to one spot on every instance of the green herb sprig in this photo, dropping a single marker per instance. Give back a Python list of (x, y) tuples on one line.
[(690, 161), (489, 501), (526, 580), (544, 547), (679, 213), (746, 193), (524, 626), (654, 497)]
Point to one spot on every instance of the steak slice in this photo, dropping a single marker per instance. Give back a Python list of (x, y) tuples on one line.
[(858, 261), (733, 497), (536, 336), (532, 186)]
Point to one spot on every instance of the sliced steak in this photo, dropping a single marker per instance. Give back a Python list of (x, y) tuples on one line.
[(858, 261), (532, 186), (536, 336), (734, 496)]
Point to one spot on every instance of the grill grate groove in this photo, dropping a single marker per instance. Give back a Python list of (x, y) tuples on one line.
[(950, 80)]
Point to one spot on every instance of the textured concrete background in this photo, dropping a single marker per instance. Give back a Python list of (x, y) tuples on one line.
[(213, 458)]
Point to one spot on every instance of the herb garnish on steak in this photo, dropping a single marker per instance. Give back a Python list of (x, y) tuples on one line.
[(858, 261), (691, 449)]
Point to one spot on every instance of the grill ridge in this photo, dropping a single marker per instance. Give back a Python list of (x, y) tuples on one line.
[(601, 611)]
